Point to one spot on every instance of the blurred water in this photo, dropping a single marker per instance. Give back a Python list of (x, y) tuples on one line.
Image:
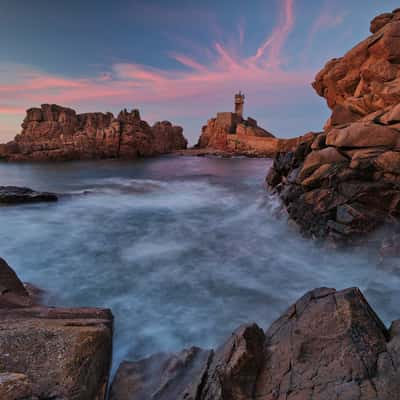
[(182, 249)]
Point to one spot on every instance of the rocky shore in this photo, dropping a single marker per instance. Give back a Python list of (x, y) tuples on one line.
[(53, 132), (343, 184), (328, 345)]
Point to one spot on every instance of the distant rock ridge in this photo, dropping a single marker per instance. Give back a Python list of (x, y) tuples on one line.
[(53, 132), (344, 183)]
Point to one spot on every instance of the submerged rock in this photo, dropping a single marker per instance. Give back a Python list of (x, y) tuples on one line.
[(52, 132), (20, 195), (328, 345), (50, 353), (353, 190)]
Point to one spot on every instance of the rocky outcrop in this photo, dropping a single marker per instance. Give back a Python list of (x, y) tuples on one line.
[(343, 184), (328, 345), (367, 78), (53, 132), (21, 195), (50, 353), (230, 135), (215, 133)]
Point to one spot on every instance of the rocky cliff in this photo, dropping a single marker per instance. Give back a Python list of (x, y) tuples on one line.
[(53, 132), (329, 345), (343, 184)]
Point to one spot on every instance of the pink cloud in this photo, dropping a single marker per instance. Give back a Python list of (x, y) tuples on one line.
[(12, 110), (198, 86), (276, 41)]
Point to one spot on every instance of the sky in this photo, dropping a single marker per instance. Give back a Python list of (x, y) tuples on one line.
[(176, 60)]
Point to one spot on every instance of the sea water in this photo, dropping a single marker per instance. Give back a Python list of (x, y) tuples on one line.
[(182, 249)]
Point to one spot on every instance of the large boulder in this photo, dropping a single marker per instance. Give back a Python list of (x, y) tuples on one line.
[(50, 353), (52, 132), (367, 78), (360, 134), (318, 158), (328, 345)]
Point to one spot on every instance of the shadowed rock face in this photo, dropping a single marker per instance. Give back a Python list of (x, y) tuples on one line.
[(344, 183), (20, 195), (50, 353), (53, 132), (328, 345)]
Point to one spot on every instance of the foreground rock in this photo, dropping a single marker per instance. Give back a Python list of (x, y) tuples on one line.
[(50, 353), (53, 132), (328, 346), (343, 184), (20, 195)]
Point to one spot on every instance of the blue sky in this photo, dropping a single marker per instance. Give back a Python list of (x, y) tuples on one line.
[(177, 60)]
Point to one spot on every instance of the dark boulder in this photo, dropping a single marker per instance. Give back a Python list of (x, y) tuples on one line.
[(21, 195)]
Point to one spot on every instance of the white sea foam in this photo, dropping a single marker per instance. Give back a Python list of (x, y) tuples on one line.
[(182, 250)]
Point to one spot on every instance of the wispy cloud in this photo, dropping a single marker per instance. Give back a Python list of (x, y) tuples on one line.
[(327, 19), (191, 86), (277, 40)]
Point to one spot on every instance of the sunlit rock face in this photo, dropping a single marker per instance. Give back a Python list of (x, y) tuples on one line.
[(344, 183), (367, 78), (53, 132), (229, 134), (328, 345)]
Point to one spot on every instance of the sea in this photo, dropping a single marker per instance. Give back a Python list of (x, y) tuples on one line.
[(183, 250)]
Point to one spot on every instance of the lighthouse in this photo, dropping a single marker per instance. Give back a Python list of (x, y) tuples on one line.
[(239, 103)]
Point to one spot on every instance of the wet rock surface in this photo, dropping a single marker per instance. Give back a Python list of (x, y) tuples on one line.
[(20, 195), (50, 353), (343, 184), (328, 345), (52, 132)]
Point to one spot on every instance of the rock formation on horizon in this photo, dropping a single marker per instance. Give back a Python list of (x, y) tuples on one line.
[(53, 132), (230, 134), (344, 183)]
